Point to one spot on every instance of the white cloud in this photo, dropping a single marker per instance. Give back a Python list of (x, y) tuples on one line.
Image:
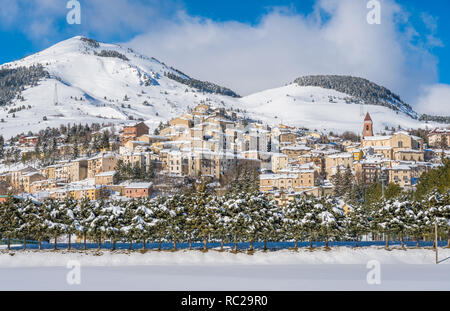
[(435, 100), (285, 45), (431, 23), (46, 19)]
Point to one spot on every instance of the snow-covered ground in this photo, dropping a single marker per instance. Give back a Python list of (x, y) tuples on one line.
[(338, 269)]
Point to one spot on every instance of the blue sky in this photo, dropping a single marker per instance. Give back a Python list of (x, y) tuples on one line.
[(412, 43), (250, 11)]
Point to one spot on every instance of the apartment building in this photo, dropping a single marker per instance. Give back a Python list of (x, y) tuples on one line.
[(104, 162), (132, 132)]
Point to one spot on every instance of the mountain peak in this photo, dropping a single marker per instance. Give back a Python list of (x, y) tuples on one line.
[(82, 80)]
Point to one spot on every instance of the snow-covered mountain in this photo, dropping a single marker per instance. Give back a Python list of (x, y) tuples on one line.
[(322, 109), (88, 82)]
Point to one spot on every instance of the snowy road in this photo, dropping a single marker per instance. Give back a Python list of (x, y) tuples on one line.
[(226, 277)]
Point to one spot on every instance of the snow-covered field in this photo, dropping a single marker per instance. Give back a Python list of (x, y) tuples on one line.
[(341, 268)]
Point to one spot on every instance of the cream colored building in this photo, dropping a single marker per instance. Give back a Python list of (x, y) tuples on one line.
[(409, 155), (332, 161), (436, 136), (279, 161), (105, 178), (288, 181), (102, 163), (401, 175), (398, 141), (28, 179)]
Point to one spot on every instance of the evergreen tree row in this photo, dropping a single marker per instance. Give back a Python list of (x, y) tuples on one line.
[(199, 216)]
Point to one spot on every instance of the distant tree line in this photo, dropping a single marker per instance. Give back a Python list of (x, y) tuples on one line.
[(439, 119), (111, 53), (91, 42), (13, 81), (202, 86), (134, 172)]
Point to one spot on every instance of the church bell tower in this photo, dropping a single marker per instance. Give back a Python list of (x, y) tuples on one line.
[(368, 126)]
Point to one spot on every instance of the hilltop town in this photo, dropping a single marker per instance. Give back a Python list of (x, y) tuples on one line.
[(214, 146)]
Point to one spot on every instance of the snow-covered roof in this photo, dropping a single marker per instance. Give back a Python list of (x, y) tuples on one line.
[(375, 138), (401, 167), (340, 155), (140, 185), (106, 174)]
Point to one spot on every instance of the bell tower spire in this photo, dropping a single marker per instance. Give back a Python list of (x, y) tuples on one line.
[(368, 126)]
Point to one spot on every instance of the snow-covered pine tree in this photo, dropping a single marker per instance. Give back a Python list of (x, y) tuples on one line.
[(421, 220), (382, 218), (55, 220), (336, 180), (175, 219), (357, 222), (141, 226), (311, 219), (445, 212), (69, 208), (222, 222), (236, 206), (160, 222), (203, 214), (293, 224), (347, 182), (97, 229), (84, 216), (149, 219), (40, 225), (9, 219), (331, 217), (437, 206), (114, 221), (403, 217), (27, 219), (254, 221), (129, 214), (271, 216), (190, 221)]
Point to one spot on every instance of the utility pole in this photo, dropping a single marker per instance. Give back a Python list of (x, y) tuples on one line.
[(55, 95), (436, 240), (383, 176)]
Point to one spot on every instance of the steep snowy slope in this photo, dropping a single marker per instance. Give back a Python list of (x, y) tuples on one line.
[(321, 109), (97, 82)]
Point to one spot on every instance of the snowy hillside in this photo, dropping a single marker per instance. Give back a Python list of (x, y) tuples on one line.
[(90, 82), (322, 109), (97, 82), (360, 91)]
